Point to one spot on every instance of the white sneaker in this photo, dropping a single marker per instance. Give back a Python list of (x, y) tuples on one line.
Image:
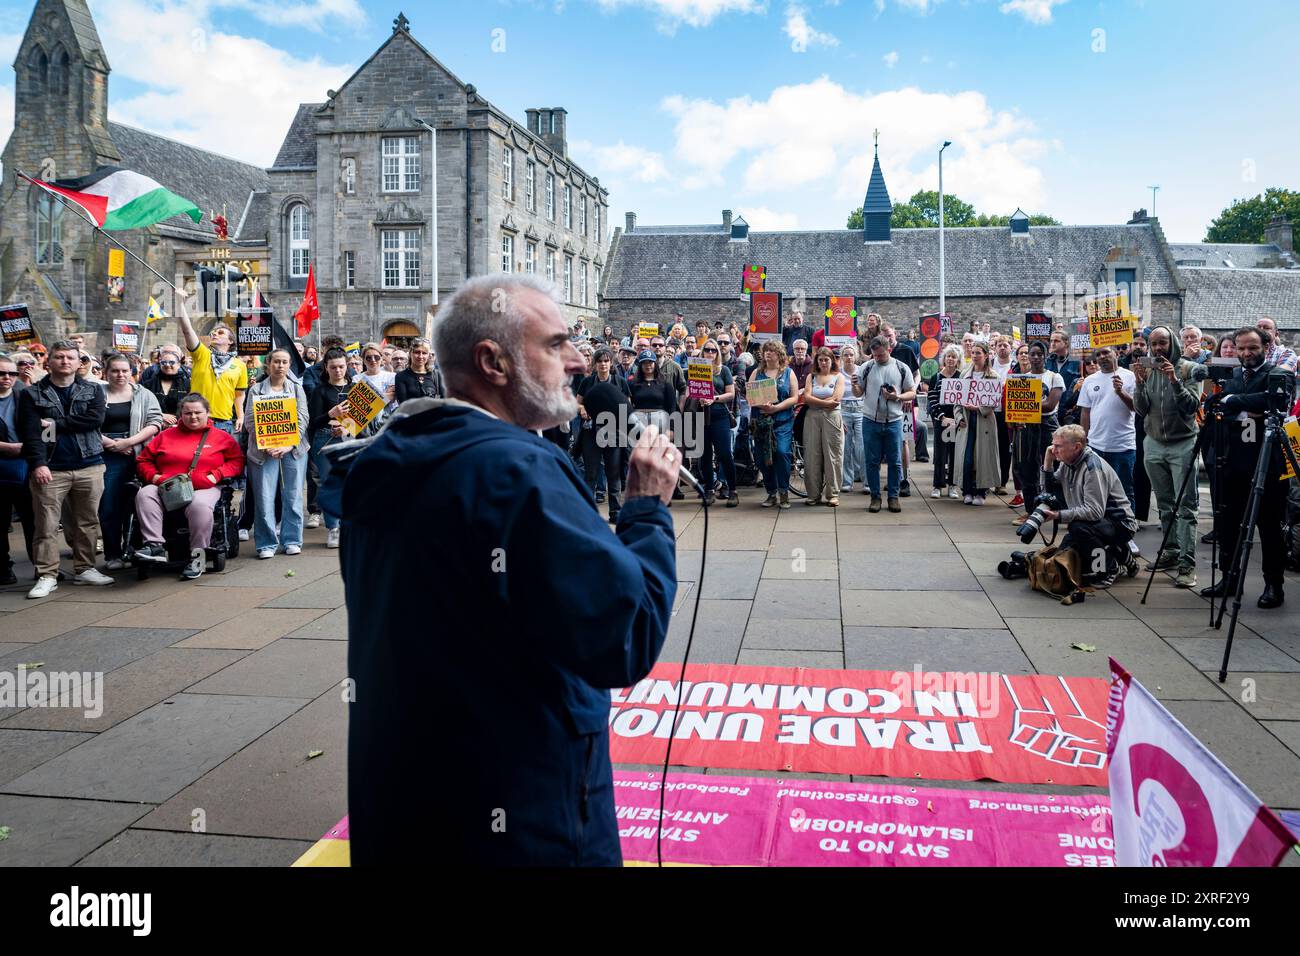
[(293, 549), (44, 585), (93, 576), (332, 538), (243, 534), (116, 564), (953, 493), (313, 520), (265, 553), (937, 493)]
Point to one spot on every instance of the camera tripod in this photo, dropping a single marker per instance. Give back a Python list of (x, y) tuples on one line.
[(1273, 435)]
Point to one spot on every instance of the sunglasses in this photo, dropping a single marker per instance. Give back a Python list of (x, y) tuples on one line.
[(85, 359), (8, 374), (26, 364), (709, 351)]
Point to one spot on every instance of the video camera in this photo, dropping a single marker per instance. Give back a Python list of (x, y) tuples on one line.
[(1045, 502), (1221, 369)]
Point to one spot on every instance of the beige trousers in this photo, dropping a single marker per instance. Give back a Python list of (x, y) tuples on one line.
[(82, 489), (823, 452)]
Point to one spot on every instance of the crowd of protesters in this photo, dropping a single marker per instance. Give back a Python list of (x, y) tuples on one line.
[(80, 434), (90, 445)]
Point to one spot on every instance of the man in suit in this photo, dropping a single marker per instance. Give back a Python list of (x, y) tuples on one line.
[(1244, 401)]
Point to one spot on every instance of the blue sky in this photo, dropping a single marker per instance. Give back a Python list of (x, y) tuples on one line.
[(686, 107)]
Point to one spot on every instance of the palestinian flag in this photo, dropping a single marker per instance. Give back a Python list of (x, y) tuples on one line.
[(120, 199)]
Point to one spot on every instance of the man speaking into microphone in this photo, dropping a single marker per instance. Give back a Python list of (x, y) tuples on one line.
[(487, 627)]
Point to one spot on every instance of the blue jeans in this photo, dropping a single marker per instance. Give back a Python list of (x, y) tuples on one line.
[(855, 467), (227, 426), (264, 479), (883, 442), (319, 439), (1123, 462), (777, 477), (118, 470)]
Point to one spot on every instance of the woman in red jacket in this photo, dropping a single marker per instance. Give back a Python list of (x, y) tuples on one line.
[(171, 453)]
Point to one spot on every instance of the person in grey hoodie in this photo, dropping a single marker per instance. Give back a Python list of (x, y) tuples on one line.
[(1167, 395)]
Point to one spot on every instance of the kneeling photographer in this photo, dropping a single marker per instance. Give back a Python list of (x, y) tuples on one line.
[(1097, 513)]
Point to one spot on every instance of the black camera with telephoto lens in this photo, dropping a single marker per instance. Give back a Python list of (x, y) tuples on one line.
[(1044, 503), (1017, 567)]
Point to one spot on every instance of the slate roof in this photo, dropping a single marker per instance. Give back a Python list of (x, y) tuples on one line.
[(978, 261), (210, 180), (877, 199), (298, 151), (255, 226), (1231, 255), (83, 28), (1227, 298)]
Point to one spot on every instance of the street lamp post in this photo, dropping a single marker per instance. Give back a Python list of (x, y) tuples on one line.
[(942, 307)]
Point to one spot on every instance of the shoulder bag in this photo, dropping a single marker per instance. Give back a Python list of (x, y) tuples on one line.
[(178, 491)]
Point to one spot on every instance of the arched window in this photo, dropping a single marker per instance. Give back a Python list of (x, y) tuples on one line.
[(38, 69), (299, 240), (59, 71), (49, 230)]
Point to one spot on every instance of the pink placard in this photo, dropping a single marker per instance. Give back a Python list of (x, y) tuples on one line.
[(759, 821)]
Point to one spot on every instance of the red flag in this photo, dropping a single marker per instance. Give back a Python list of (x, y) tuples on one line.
[(309, 311)]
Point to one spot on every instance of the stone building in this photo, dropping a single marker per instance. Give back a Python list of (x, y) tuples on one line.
[(992, 274), (356, 190)]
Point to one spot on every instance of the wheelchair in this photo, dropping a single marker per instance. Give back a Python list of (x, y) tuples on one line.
[(223, 546)]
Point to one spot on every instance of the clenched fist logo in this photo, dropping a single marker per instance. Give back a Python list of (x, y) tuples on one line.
[(1049, 722)]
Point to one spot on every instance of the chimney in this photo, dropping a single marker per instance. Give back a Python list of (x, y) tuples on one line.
[(726, 221), (1278, 231), (550, 127), (631, 222), (1139, 217)]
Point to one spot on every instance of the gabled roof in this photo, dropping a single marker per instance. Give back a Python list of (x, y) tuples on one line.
[(298, 151), (405, 34), (212, 181), (1232, 255), (978, 262), (1222, 298), (84, 33), (255, 224)]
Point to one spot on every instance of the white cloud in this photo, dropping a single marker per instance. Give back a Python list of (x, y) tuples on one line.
[(762, 219), (693, 13), (621, 160), (921, 6), (306, 13), (802, 34), (891, 58), (219, 91), (1035, 11), (818, 136)]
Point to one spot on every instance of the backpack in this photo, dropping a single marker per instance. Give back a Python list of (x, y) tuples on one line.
[(1055, 571)]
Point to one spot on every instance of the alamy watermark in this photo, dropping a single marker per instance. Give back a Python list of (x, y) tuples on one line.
[(33, 687)]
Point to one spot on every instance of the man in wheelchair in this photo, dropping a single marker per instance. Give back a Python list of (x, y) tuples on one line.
[(209, 457), (1100, 519)]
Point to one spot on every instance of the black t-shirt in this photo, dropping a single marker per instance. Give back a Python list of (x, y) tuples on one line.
[(600, 398), (656, 395), (722, 380), (117, 418), (905, 355)]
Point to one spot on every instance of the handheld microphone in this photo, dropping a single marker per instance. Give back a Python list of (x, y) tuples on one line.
[(634, 430)]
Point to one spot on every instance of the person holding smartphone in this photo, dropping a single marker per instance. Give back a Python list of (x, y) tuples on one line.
[(884, 384)]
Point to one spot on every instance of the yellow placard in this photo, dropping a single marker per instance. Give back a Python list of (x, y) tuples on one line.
[(1109, 330), (1292, 430), (1024, 400), (362, 405), (116, 263), (647, 330), (1110, 305), (1015, 333), (275, 422)]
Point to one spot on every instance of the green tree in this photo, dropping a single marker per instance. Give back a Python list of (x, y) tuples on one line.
[(1245, 219), (922, 211)]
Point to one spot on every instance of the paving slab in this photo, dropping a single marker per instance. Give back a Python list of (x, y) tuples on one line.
[(900, 538), (306, 568), (24, 750), (805, 569), (284, 668), (1017, 599), (1267, 767), (164, 849), (128, 589), (811, 545), (1274, 697), (1249, 655), (49, 832), (906, 571), (272, 788), (787, 600), (774, 658), (254, 629), (1287, 731), (728, 575), (1146, 656), (1187, 622), (10, 647), (326, 592), (131, 689), (983, 557), (198, 607), (718, 632), (802, 518), (728, 535), (153, 755), (853, 511), (42, 620), (960, 609), (332, 626), (960, 650), (15, 599), (794, 635)]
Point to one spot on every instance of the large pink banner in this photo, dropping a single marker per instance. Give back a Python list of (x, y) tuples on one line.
[(758, 821)]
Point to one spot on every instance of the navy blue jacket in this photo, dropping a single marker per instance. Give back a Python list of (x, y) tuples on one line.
[(490, 610)]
